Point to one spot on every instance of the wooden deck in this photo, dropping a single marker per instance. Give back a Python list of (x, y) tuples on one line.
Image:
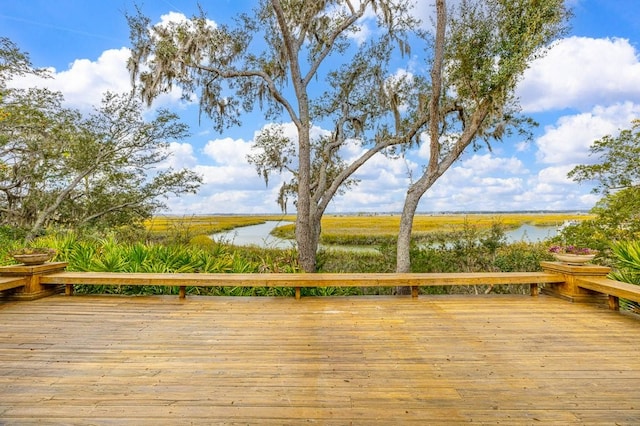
[(363, 361)]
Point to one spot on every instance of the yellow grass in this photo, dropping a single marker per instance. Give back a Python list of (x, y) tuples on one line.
[(379, 225), (206, 224), (389, 224)]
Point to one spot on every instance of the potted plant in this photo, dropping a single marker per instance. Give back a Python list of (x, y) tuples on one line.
[(573, 255), (33, 255)]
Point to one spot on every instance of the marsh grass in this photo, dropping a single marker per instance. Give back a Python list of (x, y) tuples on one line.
[(371, 230), (385, 227), (185, 227)]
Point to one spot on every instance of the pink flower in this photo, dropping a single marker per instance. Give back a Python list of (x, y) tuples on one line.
[(571, 249)]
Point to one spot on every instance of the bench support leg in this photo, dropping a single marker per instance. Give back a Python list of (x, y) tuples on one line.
[(68, 290), (614, 303), (414, 291), (297, 293), (534, 290), (182, 292)]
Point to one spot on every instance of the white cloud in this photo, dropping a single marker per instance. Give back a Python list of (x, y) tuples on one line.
[(580, 72), (556, 175), (362, 34), (569, 140), (181, 156), (226, 202), (487, 163), (228, 151), (463, 189), (85, 82), (173, 18), (231, 170), (228, 177)]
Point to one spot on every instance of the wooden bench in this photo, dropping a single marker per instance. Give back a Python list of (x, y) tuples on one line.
[(8, 283), (298, 281), (614, 289)]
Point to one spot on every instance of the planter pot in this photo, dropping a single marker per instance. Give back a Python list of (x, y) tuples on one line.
[(574, 259), (35, 258)]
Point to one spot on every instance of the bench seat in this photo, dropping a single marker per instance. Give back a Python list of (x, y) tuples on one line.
[(614, 289), (8, 283), (297, 281)]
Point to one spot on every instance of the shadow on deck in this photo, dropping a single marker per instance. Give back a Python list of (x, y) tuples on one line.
[(365, 360)]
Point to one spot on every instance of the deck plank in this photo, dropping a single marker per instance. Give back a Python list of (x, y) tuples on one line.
[(366, 360)]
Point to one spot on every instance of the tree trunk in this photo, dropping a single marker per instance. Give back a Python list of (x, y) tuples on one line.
[(49, 210), (404, 235), (433, 171), (403, 250), (307, 243), (305, 232)]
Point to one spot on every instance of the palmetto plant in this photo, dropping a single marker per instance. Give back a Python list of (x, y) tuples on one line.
[(627, 263), (108, 254), (628, 255)]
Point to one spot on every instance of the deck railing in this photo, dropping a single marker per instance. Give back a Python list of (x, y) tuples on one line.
[(586, 283)]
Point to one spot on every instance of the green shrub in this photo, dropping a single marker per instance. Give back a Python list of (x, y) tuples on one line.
[(466, 250), (203, 242), (627, 268), (522, 257)]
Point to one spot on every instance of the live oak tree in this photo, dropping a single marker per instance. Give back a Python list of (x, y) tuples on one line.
[(14, 63), (479, 51), (616, 162), (616, 173), (58, 167), (277, 60)]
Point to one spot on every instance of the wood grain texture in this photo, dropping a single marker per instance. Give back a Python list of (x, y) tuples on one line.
[(334, 361), (611, 287), (7, 283), (298, 281), (301, 280)]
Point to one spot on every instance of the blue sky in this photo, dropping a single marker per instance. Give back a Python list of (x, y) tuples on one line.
[(587, 86)]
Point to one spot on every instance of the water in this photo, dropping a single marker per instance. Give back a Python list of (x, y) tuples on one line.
[(258, 235), (531, 234), (255, 235)]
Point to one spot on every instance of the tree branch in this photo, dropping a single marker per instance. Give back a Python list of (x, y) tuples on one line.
[(230, 74)]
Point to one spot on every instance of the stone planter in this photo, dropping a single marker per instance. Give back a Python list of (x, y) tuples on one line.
[(31, 257), (574, 259)]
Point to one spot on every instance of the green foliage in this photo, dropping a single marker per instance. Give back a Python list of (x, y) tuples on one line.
[(617, 166), (491, 43), (617, 175), (203, 242), (284, 74), (522, 256), (593, 234), (108, 254), (355, 260), (357, 240), (60, 168), (627, 261), (479, 52), (9, 233), (470, 249), (627, 268), (473, 250), (618, 214)]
